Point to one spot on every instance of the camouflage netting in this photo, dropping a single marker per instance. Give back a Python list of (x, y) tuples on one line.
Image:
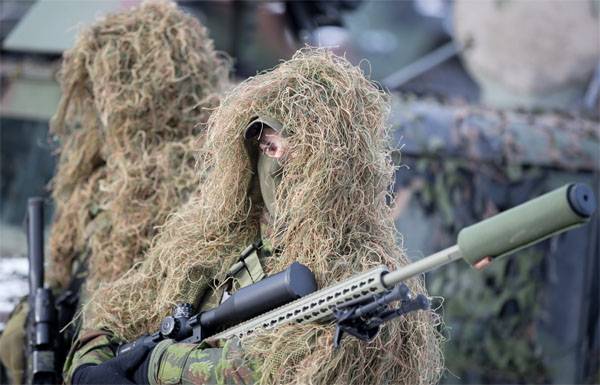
[(333, 217), (505, 323), (137, 88)]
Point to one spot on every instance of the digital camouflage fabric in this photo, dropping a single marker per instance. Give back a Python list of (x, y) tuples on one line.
[(183, 363), (332, 216), (138, 87), (92, 347)]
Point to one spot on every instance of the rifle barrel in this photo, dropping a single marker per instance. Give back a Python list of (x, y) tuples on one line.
[(421, 266)]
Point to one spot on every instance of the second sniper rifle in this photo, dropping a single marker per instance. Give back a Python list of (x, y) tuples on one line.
[(41, 320), (361, 303)]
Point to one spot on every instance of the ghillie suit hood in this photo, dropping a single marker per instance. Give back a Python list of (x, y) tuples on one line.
[(137, 87), (332, 217)]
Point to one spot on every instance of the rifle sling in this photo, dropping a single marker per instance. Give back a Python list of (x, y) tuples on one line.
[(246, 271)]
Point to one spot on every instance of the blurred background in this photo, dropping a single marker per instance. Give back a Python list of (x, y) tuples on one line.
[(494, 103)]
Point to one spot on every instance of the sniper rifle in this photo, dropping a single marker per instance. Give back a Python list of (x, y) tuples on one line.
[(360, 304), (41, 321)]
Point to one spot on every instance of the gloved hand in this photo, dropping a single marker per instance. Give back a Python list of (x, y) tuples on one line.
[(128, 368)]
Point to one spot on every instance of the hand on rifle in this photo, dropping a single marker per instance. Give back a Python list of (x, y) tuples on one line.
[(128, 368)]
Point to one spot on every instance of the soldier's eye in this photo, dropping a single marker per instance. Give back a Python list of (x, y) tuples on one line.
[(269, 148), (272, 144)]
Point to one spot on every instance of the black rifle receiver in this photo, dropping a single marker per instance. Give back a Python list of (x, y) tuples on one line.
[(40, 332), (294, 282)]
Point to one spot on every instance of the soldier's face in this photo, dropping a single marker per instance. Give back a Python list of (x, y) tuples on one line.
[(273, 149), (272, 144)]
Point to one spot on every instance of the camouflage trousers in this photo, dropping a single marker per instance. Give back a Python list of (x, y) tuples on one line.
[(12, 343)]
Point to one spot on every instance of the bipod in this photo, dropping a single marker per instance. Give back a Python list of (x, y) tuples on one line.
[(363, 320)]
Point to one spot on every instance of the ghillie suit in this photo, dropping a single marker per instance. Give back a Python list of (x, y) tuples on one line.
[(137, 88), (331, 215)]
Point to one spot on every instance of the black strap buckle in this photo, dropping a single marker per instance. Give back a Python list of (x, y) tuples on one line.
[(237, 267)]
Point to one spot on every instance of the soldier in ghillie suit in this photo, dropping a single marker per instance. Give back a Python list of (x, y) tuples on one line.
[(138, 87), (295, 157)]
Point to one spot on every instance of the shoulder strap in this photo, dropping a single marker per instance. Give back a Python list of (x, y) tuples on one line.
[(248, 269)]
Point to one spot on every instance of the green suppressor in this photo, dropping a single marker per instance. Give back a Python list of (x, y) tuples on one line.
[(479, 244), (528, 223), (359, 304)]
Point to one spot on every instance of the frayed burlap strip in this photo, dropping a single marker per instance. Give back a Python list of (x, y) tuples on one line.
[(332, 217), (138, 87)]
